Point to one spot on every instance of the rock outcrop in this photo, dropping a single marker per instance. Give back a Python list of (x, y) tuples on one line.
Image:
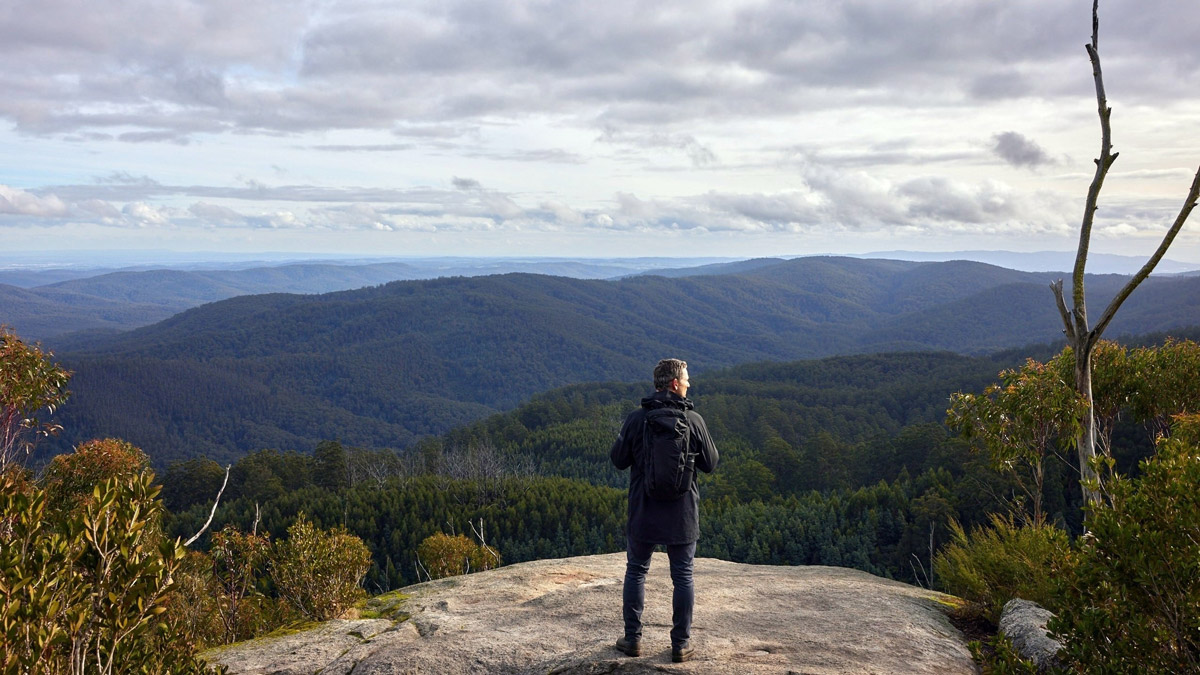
[(562, 617), (1024, 624)]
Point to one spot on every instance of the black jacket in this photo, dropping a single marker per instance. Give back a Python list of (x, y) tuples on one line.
[(650, 520)]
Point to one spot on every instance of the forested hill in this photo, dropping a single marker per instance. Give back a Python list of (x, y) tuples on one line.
[(845, 421), (379, 367), (51, 304)]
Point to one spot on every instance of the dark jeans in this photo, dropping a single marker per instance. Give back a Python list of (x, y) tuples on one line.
[(637, 555)]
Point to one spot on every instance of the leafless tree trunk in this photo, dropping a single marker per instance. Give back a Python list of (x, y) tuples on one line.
[(1082, 339)]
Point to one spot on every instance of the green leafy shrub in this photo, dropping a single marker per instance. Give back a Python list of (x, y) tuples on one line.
[(1133, 604), (194, 603), (443, 555), (318, 571), (239, 560), (86, 590), (70, 478), (995, 564)]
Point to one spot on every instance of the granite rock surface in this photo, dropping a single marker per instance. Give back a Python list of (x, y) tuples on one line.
[(563, 616)]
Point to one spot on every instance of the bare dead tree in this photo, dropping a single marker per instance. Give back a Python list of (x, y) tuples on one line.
[(482, 541), (421, 568), (485, 468), (1080, 337), (214, 509)]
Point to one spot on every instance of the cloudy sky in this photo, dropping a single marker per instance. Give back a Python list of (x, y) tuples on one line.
[(614, 128)]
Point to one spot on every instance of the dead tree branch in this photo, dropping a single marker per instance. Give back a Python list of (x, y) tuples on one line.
[(482, 541), (1186, 210), (214, 508)]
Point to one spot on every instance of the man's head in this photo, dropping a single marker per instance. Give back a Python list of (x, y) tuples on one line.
[(671, 375)]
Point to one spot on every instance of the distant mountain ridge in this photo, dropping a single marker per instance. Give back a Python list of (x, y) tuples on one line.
[(44, 304), (1045, 261), (387, 364)]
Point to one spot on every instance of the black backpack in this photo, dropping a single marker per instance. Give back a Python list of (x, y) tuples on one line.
[(668, 464)]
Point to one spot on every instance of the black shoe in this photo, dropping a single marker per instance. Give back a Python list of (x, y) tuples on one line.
[(682, 653), (629, 647)]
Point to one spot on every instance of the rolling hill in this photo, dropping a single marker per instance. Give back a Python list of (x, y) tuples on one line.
[(382, 366), (48, 304)]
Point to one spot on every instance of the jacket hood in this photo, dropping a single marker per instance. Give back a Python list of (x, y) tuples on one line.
[(663, 399)]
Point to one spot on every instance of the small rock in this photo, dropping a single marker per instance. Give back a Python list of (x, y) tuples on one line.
[(1024, 623)]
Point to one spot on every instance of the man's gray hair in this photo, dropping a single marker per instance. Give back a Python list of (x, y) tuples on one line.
[(666, 371)]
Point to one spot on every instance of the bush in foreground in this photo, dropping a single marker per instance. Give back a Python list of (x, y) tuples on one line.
[(1133, 602), (86, 590), (993, 565), (318, 571)]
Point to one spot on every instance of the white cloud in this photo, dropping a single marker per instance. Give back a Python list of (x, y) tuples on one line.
[(14, 201), (279, 220), (142, 214)]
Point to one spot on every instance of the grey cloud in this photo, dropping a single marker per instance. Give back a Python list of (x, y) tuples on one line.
[(940, 199), (1019, 151), (253, 190), (1001, 84), (773, 210), (125, 178), (697, 152), (898, 152), (853, 199), (64, 33), (201, 87), (216, 213), (466, 184), (550, 156), (98, 207), (279, 66), (386, 147), (434, 131), (154, 137)]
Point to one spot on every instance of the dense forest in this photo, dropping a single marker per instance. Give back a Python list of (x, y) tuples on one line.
[(840, 461), (383, 367)]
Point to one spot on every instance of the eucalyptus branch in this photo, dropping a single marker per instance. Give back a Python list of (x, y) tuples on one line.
[(214, 508)]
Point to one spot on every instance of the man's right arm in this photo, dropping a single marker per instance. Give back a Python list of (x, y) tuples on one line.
[(621, 453)]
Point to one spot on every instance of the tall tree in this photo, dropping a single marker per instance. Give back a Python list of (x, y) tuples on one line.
[(1080, 337)]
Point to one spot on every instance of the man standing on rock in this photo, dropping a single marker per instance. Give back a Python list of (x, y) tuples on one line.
[(663, 442)]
